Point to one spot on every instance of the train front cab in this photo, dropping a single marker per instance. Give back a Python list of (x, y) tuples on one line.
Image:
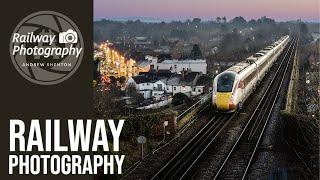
[(223, 95)]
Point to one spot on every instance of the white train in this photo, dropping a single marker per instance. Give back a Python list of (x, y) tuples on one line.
[(233, 86)]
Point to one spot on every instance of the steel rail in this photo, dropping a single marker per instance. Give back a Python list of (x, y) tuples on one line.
[(257, 110), (257, 144), (185, 147)]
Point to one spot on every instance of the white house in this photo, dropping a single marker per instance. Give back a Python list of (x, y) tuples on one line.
[(183, 83), (159, 85), (149, 89), (142, 84), (131, 82), (151, 59), (171, 82), (145, 86), (177, 66), (185, 89), (186, 83), (159, 89), (197, 90), (147, 93)]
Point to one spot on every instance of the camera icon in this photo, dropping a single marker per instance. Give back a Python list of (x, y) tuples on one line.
[(70, 36)]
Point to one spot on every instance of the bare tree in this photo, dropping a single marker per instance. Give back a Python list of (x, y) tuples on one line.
[(224, 19), (218, 19)]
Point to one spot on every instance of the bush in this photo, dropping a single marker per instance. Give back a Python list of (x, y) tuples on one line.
[(181, 98)]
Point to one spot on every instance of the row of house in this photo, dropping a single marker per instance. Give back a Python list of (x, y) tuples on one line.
[(159, 84), (174, 65), (177, 66)]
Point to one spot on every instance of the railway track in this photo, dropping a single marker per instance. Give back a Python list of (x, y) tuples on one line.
[(238, 161), (181, 163), (205, 110)]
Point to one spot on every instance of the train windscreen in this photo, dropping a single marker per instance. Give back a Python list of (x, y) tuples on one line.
[(225, 82)]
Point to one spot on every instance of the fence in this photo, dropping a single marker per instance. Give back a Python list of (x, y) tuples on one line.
[(157, 105)]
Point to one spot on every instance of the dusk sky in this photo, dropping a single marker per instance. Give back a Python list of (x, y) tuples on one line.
[(282, 10)]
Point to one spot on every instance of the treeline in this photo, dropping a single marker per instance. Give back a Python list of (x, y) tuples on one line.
[(111, 30)]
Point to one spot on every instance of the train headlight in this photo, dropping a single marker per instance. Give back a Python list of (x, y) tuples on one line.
[(214, 98), (232, 106)]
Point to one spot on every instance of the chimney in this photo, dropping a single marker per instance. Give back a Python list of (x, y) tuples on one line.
[(182, 74)]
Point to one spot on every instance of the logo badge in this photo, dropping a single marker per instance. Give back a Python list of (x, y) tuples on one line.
[(46, 47)]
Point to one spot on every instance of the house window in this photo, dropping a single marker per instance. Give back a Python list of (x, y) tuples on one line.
[(199, 90), (174, 88), (194, 89), (148, 84), (175, 66), (159, 86)]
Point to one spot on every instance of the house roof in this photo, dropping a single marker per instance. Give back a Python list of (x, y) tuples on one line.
[(164, 73), (189, 77), (174, 80), (179, 79), (204, 80), (164, 80), (185, 61), (151, 75), (162, 57), (140, 79), (143, 63)]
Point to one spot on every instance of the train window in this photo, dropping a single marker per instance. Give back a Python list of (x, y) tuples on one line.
[(257, 55), (225, 82), (249, 78), (262, 65)]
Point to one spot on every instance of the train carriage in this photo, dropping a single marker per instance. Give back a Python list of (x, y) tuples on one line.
[(233, 86)]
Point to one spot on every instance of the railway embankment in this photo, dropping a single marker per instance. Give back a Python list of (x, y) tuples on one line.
[(291, 97)]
